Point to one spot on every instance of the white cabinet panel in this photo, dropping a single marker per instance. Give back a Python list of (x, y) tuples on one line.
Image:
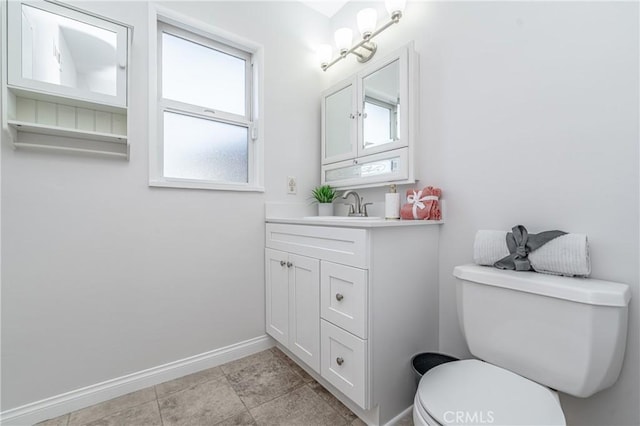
[(304, 309), (277, 295), (343, 297), (344, 362), (341, 245)]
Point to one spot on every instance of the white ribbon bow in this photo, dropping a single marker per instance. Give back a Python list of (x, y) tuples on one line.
[(417, 200)]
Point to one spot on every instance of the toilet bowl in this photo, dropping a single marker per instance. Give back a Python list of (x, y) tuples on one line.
[(474, 392), (531, 332)]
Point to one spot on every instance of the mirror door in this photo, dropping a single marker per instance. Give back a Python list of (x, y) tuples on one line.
[(61, 51), (383, 124), (339, 123)]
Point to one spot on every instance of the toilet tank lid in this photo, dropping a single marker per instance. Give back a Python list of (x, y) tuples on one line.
[(582, 290)]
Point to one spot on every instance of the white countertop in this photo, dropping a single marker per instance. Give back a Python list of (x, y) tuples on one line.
[(351, 223)]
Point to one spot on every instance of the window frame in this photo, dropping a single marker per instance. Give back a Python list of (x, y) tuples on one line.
[(166, 21)]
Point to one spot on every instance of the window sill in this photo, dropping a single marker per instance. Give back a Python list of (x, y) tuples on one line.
[(187, 184)]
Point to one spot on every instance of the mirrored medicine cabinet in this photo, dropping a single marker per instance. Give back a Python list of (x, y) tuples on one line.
[(368, 124), (65, 85)]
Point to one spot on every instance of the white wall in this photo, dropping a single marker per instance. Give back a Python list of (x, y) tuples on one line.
[(103, 276), (529, 115)]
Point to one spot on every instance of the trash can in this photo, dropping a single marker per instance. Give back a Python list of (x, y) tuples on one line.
[(424, 362)]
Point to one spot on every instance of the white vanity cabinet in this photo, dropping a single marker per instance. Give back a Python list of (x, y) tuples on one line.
[(376, 298), (368, 124)]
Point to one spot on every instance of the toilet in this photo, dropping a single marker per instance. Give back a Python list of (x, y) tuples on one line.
[(533, 335)]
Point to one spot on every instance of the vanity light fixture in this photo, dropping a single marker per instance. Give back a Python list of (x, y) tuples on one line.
[(365, 48)]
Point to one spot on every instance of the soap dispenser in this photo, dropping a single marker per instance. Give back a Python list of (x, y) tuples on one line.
[(392, 203)]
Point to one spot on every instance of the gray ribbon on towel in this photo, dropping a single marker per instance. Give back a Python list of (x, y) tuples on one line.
[(520, 243)]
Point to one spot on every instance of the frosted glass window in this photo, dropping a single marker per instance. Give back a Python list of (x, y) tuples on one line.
[(203, 76), (196, 148)]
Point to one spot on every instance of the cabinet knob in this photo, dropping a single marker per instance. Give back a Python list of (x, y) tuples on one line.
[(340, 360), (351, 116), (339, 297), (282, 263), (289, 264)]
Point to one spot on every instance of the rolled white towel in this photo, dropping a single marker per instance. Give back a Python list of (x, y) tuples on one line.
[(564, 255), (489, 247)]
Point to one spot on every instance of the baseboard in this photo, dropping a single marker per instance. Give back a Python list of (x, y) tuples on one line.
[(58, 405), (400, 417)]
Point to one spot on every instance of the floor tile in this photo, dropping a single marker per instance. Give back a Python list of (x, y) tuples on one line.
[(342, 409), (300, 407), (206, 403), (261, 377), (166, 388), (265, 386), (146, 414), (247, 365), (358, 422), (58, 421), (112, 406), (292, 364), (243, 418)]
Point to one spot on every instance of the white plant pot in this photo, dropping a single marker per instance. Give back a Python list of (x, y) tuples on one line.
[(325, 209)]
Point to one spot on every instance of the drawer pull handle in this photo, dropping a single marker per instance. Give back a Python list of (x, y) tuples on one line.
[(339, 297), (340, 360), (289, 264), (282, 263)]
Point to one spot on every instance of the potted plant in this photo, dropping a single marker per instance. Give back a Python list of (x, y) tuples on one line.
[(324, 196)]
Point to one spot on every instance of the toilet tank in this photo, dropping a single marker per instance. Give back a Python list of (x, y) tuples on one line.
[(566, 333)]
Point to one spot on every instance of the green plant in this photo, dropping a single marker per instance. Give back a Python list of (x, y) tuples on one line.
[(324, 194)]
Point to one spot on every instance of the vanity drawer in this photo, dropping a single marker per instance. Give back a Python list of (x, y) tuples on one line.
[(343, 297), (342, 245), (344, 362)]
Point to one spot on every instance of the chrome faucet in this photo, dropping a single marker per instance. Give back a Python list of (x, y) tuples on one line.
[(357, 209)]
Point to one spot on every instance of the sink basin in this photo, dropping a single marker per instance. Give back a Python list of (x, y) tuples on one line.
[(344, 218)]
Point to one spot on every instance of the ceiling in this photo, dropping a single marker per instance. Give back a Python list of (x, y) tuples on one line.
[(326, 7)]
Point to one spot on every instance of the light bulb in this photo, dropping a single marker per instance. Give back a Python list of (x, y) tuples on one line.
[(343, 37), (324, 52), (367, 20), (395, 8)]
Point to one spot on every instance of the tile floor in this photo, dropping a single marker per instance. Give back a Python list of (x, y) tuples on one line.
[(267, 388)]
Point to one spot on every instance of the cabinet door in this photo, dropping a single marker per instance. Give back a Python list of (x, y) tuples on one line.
[(339, 122), (304, 309), (277, 295), (62, 51), (384, 105)]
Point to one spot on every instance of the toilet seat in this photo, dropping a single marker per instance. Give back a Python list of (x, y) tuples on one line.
[(476, 392)]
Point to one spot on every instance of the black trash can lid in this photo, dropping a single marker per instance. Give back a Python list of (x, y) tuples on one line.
[(426, 361)]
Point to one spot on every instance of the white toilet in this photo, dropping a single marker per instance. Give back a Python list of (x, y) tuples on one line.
[(532, 333)]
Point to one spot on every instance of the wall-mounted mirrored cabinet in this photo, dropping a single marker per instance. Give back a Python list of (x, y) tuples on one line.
[(368, 124), (65, 85)]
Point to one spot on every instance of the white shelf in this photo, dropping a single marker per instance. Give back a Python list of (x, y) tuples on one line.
[(43, 129)]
